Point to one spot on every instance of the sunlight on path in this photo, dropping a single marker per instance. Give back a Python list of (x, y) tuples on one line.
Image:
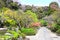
[(44, 34)]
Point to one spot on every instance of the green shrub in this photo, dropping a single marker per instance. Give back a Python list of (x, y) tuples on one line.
[(14, 33), (32, 16), (23, 35), (7, 37), (28, 31), (58, 31), (43, 22), (55, 27), (10, 22)]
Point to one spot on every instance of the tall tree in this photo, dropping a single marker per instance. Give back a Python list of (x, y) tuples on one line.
[(2, 3), (9, 3), (54, 5)]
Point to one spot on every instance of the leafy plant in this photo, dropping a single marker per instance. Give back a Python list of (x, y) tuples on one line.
[(58, 31), (55, 27), (15, 35), (10, 22), (43, 22), (32, 15), (28, 31)]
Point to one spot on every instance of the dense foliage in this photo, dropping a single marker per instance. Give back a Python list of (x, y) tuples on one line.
[(28, 31), (43, 22), (24, 21)]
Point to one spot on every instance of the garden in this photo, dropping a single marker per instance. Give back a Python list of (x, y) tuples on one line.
[(16, 23)]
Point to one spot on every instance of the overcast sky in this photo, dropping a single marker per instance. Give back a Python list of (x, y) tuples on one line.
[(37, 2)]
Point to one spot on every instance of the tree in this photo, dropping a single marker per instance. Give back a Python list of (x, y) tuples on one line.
[(13, 5), (28, 18), (32, 15), (9, 3), (28, 7), (40, 13), (9, 17), (3, 3), (54, 5), (56, 16), (18, 18), (34, 8)]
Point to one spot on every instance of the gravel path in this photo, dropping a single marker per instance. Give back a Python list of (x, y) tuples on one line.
[(44, 34)]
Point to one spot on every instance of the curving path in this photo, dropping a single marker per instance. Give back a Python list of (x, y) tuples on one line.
[(44, 34)]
